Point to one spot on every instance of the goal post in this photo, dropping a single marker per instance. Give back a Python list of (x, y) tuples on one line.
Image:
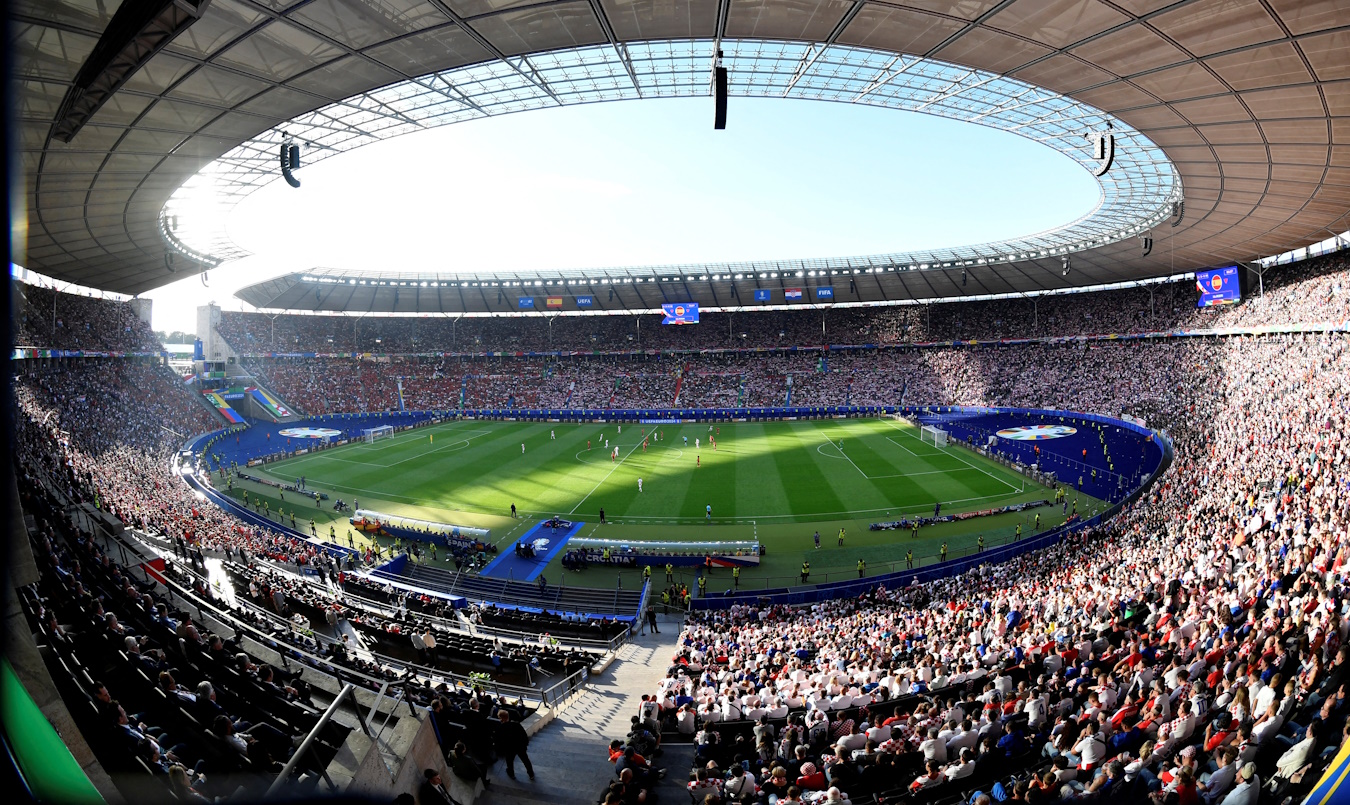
[(934, 436), (372, 435)]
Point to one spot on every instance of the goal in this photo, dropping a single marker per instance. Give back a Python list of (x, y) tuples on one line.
[(934, 436), (371, 435)]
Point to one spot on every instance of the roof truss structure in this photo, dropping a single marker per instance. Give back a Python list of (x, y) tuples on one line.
[(1248, 101)]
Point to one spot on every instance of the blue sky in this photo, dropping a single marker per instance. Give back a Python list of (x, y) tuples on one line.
[(643, 182)]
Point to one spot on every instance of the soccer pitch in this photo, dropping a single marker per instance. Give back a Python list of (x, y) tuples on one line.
[(777, 482), (772, 472)]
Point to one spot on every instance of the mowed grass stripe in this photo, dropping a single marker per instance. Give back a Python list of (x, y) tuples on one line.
[(759, 484), (1006, 479), (770, 471), (665, 479), (439, 474), (805, 473), (712, 477)]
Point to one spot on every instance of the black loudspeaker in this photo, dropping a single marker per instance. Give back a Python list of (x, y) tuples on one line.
[(288, 153), (720, 116)]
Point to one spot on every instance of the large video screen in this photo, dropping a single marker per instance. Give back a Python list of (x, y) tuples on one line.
[(1218, 287), (680, 313)]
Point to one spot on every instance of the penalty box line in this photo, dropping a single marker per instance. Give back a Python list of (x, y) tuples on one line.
[(952, 453)]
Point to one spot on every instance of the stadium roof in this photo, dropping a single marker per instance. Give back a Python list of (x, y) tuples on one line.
[(1248, 100)]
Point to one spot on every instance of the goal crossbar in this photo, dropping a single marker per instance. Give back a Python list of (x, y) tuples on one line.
[(371, 435), (933, 435)]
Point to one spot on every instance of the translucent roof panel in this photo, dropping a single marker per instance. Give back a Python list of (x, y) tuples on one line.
[(1137, 193)]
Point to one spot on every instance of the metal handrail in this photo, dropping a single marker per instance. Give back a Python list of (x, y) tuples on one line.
[(309, 741), (449, 676), (454, 624)]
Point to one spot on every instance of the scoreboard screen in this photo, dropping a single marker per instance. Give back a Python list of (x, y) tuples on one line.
[(1218, 287)]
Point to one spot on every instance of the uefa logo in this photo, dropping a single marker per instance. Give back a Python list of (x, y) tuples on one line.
[(1032, 433), (310, 433)]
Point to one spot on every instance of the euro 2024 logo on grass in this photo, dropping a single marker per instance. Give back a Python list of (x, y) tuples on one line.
[(1031, 433), (310, 433)]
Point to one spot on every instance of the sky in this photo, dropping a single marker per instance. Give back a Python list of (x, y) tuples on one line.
[(641, 183)]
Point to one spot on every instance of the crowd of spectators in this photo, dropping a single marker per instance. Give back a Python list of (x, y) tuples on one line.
[(1201, 631), (107, 431), (1194, 647), (48, 319), (1306, 292), (158, 694)]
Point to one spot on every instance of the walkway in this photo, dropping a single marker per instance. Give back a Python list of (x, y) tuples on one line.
[(548, 542), (569, 754)]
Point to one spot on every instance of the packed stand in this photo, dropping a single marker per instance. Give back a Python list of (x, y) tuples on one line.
[(47, 319), (1162, 654), (1312, 291)]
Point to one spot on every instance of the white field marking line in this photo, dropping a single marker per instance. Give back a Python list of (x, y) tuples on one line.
[(617, 464), (291, 462), (508, 534), (400, 438), (958, 458), (393, 441), (748, 518), (902, 447), (917, 474), (820, 449), (842, 455), (451, 446)]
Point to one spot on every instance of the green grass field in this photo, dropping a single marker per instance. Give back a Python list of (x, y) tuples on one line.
[(774, 481)]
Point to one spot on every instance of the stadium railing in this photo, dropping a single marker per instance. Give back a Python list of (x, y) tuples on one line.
[(319, 664)]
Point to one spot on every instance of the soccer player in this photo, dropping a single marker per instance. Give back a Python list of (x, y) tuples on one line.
[(639, 486), (552, 435), (698, 461), (708, 513), (644, 445), (696, 442), (686, 441), (816, 537), (841, 537), (522, 448), (588, 445)]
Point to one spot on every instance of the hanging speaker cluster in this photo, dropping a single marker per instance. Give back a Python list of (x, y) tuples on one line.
[(290, 161), (720, 82), (1178, 212)]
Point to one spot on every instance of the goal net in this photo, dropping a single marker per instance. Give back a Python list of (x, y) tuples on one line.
[(370, 435), (934, 436)]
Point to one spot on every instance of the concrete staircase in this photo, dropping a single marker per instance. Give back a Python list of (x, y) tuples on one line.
[(569, 749)]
